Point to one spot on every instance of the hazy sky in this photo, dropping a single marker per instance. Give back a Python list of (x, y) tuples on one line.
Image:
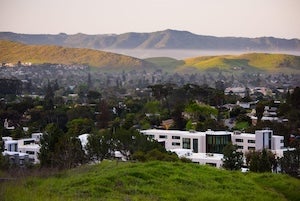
[(246, 18)]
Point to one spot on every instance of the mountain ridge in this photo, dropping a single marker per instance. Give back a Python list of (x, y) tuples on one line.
[(166, 39)]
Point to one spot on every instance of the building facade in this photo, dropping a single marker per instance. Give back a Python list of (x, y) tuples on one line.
[(208, 146)]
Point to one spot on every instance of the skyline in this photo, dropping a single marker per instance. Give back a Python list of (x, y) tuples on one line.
[(238, 18)]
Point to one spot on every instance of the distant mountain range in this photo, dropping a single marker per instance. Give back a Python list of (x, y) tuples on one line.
[(168, 39)]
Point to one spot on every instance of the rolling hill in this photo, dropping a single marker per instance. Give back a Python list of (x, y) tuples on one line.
[(167, 39), (110, 180), (12, 52), (253, 62)]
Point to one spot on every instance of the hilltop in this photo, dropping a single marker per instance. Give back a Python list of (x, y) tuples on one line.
[(167, 39), (152, 181), (12, 52), (254, 62)]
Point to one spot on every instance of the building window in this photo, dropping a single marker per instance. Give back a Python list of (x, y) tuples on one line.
[(176, 137), (282, 141), (162, 136), (216, 143), (251, 141), (30, 152), (239, 140), (186, 143), (176, 143), (251, 148), (28, 142), (195, 145), (240, 147)]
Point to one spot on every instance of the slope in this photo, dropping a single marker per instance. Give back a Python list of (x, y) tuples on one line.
[(254, 62), (12, 52), (152, 181)]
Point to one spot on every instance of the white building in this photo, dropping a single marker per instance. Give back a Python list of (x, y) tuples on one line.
[(29, 147), (207, 147), (10, 145)]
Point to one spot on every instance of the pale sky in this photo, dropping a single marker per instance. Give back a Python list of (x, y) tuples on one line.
[(245, 18)]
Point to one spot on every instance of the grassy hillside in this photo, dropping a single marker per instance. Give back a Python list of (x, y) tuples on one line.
[(270, 63), (12, 52), (166, 63), (152, 181)]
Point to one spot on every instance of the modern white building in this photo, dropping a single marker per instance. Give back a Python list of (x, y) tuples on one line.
[(207, 147), (27, 148)]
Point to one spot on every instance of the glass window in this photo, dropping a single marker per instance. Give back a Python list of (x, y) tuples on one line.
[(239, 140), (186, 142), (30, 152), (176, 143), (176, 137), (251, 141), (216, 143), (240, 147), (251, 148), (195, 145), (163, 136)]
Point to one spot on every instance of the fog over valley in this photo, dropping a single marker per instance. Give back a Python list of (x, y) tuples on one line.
[(187, 53)]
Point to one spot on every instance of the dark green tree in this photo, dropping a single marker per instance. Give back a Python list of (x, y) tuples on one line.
[(49, 139), (260, 108), (233, 159), (68, 153), (104, 114), (49, 98), (80, 126), (290, 162), (99, 146), (264, 162), (254, 159)]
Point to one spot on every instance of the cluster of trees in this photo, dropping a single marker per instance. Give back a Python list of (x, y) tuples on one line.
[(263, 160), (64, 150)]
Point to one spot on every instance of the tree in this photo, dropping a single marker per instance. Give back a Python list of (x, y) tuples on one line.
[(49, 98), (254, 160), (104, 115), (79, 112), (233, 160), (80, 126), (49, 139), (260, 108), (290, 162), (261, 161), (68, 153), (93, 96), (99, 146), (264, 163)]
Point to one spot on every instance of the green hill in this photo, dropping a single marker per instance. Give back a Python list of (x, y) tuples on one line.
[(152, 181), (166, 63), (12, 52), (269, 63)]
